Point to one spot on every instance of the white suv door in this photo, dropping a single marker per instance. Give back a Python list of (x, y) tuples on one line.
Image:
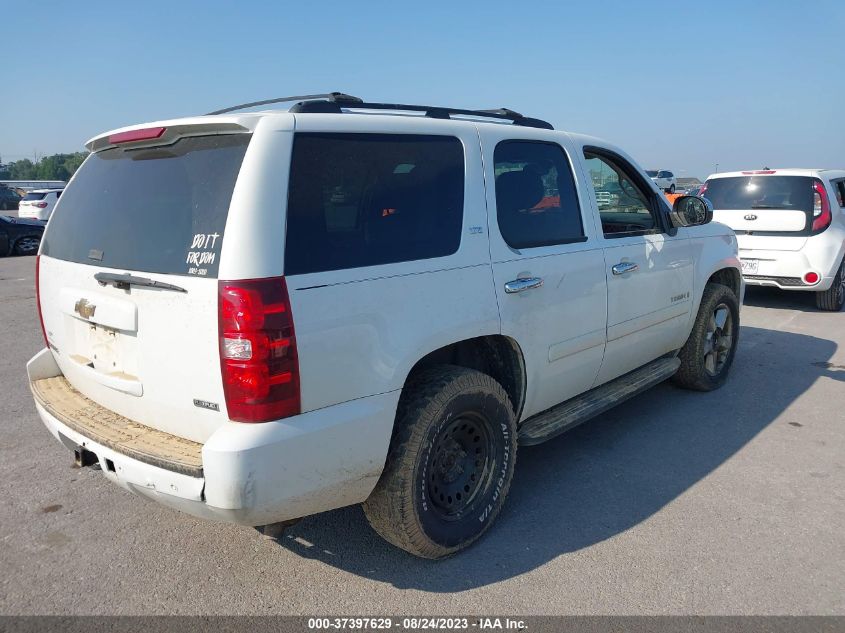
[(649, 272), (548, 266)]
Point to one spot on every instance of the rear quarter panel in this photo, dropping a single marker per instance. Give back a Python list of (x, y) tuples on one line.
[(360, 331)]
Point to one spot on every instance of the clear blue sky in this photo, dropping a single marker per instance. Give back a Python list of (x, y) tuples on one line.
[(678, 85)]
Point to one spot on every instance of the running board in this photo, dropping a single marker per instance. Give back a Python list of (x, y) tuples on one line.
[(552, 422)]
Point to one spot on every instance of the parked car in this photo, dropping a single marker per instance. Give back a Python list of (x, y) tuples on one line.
[(9, 199), (19, 236), (39, 204), (663, 178), (362, 330), (790, 224)]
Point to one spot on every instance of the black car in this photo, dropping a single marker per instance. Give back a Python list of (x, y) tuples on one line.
[(19, 236), (9, 199)]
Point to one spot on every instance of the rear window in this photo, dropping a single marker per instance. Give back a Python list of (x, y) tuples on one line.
[(160, 209), (34, 196), (367, 199), (652, 173), (761, 192)]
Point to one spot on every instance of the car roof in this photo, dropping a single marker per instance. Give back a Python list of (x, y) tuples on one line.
[(249, 122), (782, 171)]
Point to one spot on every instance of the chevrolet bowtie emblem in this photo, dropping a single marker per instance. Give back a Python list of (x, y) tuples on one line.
[(84, 309)]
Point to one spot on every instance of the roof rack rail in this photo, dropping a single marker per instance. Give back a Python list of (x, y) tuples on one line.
[(328, 97), (434, 112), (337, 102)]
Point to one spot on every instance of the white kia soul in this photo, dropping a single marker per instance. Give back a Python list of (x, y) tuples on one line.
[(258, 317), (790, 225)]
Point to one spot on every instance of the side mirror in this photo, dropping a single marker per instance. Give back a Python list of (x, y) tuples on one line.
[(691, 211)]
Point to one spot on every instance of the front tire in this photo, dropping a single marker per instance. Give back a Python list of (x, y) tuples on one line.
[(707, 355), (450, 463), (833, 298)]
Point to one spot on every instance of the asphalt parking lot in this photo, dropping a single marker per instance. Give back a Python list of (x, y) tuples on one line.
[(731, 502)]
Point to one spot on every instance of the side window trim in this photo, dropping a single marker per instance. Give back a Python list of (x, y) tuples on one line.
[(658, 208)]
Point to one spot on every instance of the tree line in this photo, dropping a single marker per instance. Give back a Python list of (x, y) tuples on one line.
[(55, 167)]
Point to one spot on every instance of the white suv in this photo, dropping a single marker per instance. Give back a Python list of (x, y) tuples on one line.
[(664, 179), (790, 224), (38, 204), (258, 317)]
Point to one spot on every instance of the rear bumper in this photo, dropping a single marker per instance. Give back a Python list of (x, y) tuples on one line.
[(30, 213), (253, 474), (786, 269)]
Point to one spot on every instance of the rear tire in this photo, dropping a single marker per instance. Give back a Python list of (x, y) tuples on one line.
[(707, 355), (833, 298), (672, 189), (450, 463)]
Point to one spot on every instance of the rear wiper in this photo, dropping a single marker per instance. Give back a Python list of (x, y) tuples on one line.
[(124, 281)]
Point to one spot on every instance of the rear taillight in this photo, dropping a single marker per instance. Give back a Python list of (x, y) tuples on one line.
[(41, 205), (258, 356), (821, 207), (38, 297), (702, 190)]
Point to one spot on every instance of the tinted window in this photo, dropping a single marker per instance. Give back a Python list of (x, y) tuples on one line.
[(368, 199), (652, 173), (34, 196), (761, 192), (536, 202), (839, 188), (624, 206), (159, 209)]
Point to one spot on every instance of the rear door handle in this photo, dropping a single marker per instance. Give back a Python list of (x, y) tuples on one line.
[(624, 267), (523, 283)]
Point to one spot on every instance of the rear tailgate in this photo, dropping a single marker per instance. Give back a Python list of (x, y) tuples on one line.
[(146, 352), (768, 212)]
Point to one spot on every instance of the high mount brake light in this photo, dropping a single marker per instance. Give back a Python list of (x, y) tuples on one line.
[(821, 207), (258, 356), (131, 136), (759, 171)]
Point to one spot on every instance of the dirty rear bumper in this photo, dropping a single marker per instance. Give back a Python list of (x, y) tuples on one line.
[(254, 474)]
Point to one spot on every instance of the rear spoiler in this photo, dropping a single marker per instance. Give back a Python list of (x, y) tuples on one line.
[(157, 134)]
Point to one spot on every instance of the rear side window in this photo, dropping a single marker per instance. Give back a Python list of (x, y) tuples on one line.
[(536, 202), (839, 188), (367, 199), (34, 196), (160, 209), (742, 193)]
